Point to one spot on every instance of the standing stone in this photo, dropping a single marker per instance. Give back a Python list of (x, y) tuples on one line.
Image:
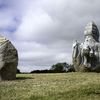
[(86, 55), (8, 60)]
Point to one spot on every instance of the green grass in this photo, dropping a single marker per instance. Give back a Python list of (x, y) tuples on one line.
[(60, 86)]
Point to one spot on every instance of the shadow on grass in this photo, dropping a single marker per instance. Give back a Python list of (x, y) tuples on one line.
[(23, 78)]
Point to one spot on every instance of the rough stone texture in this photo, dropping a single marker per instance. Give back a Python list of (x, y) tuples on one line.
[(86, 55), (8, 60)]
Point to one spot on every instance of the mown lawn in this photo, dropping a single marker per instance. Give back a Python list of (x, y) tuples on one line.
[(60, 86)]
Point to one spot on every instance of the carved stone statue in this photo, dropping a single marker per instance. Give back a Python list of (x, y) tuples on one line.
[(86, 55)]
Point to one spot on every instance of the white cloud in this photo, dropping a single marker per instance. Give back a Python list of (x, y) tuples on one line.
[(33, 25)]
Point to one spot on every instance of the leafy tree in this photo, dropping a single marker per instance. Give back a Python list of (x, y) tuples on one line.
[(18, 71), (62, 67), (59, 67), (71, 68)]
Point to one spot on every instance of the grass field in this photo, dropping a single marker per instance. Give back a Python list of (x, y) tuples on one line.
[(60, 86)]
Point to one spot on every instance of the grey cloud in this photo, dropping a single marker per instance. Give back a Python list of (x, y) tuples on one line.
[(47, 28)]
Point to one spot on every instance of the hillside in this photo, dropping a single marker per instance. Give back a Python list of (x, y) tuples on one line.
[(60, 86)]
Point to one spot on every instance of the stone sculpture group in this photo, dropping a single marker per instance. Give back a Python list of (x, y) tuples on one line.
[(86, 55)]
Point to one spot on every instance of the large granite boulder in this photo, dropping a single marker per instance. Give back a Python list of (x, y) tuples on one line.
[(86, 55), (8, 60)]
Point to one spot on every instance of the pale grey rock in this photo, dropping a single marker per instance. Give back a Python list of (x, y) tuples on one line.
[(86, 55), (8, 60)]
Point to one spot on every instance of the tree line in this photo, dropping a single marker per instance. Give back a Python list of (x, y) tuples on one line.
[(56, 68)]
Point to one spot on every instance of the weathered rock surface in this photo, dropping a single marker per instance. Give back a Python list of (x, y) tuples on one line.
[(8, 60), (86, 55)]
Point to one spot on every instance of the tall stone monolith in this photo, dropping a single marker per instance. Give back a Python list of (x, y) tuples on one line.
[(8, 60), (86, 55)]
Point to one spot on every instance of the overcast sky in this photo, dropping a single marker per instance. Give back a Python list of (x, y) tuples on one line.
[(43, 30)]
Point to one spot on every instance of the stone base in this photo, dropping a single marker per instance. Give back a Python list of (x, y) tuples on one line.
[(6, 73), (83, 68)]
